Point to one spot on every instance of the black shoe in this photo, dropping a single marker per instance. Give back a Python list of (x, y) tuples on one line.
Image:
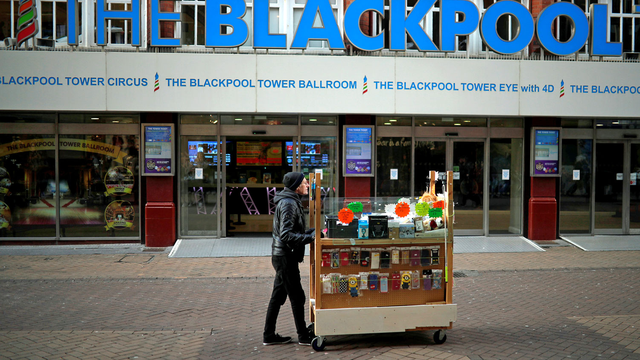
[(276, 339), (305, 340), (311, 331)]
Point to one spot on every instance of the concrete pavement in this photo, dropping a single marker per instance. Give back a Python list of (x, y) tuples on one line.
[(562, 303)]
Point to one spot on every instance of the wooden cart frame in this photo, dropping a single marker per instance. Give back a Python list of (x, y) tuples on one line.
[(333, 314)]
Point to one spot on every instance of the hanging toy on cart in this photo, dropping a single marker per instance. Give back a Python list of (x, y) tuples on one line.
[(431, 206)]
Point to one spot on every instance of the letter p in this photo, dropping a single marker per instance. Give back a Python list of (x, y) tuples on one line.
[(450, 28)]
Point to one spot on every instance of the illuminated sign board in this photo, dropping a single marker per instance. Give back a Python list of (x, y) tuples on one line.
[(545, 152), (358, 151), (157, 148), (592, 29)]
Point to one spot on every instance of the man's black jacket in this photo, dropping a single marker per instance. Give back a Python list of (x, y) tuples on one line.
[(289, 236)]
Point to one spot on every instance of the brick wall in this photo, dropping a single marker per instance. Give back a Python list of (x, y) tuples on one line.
[(365, 21), (536, 8)]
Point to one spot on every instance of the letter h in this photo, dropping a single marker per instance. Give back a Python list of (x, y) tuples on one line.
[(103, 15)]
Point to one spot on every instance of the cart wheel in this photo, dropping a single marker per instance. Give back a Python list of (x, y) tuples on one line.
[(440, 337), (318, 343)]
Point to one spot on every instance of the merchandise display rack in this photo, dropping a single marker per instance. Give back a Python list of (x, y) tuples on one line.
[(397, 303)]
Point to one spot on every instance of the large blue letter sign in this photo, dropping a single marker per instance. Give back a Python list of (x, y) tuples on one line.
[(401, 25), (329, 30), (352, 24), (72, 22), (156, 16), (450, 28), (215, 19), (489, 27), (580, 28), (262, 38), (599, 44), (103, 15)]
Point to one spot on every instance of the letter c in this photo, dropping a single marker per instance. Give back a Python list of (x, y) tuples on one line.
[(352, 25)]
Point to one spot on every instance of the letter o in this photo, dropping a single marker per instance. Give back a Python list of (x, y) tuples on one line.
[(489, 28), (545, 34)]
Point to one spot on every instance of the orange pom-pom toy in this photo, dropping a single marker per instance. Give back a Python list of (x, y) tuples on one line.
[(345, 215), (402, 209)]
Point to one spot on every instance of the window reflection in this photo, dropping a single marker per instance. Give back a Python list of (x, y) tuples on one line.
[(98, 185), (27, 175)]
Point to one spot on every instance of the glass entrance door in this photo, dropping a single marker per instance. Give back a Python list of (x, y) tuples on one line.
[(429, 155), (252, 178), (466, 159), (634, 198), (199, 196), (505, 186), (575, 186), (609, 187), (468, 193), (617, 193), (318, 154)]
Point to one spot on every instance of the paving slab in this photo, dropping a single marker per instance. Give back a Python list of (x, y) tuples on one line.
[(560, 303)]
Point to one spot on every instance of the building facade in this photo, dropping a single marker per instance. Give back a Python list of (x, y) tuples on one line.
[(254, 89)]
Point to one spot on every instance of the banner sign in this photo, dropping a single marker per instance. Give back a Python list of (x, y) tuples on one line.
[(256, 83), (158, 150), (358, 152), (545, 152), (63, 144)]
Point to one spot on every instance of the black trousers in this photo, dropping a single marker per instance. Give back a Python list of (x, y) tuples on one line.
[(287, 283)]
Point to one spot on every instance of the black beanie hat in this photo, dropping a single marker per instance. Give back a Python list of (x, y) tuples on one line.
[(292, 180)]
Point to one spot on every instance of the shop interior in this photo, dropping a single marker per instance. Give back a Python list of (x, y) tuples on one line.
[(253, 171)]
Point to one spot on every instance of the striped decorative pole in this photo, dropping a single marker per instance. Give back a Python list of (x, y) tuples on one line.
[(562, 88), (364, 87), (157, 84), (27, 22)]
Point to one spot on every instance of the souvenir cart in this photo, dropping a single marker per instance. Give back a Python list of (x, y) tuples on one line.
[(384, 265)]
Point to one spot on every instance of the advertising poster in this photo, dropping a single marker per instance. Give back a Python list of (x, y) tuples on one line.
[(119, 215), (546, 152), (358, 151), (5, 216), (119, 181), (158, 150)]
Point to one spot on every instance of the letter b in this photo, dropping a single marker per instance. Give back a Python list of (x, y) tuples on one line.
[(216, 19)]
